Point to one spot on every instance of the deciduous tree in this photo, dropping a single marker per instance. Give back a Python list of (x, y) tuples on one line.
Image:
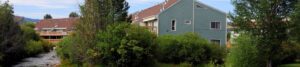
[(266, 20), (295, 24)]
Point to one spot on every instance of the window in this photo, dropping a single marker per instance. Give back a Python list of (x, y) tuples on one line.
[(173, 25), (188, 22), (198, 6), (216, 41), (215, 25)]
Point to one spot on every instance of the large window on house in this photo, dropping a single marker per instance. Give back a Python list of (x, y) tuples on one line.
[(215, 25), (173, 28), (216, 41)]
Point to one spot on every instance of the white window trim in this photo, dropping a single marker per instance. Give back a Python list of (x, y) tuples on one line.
[(215, 28), (175, 26)]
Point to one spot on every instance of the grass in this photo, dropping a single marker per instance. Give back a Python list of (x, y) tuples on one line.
[(290, 65)]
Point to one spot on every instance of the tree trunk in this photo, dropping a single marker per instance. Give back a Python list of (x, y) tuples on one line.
[(269, 64)]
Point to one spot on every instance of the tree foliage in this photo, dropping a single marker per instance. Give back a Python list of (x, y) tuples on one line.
[(244, 53), (11, 41), (96, 14), (120, 8), (265, 20), (73, 14), (188, 48), (295, 25), (47, 16), (120, 45), (125, 45)]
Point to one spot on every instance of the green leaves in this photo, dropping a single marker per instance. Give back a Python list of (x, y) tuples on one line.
[(267, 21), (34, 47), (186, 48), (245, 53), (295, 25), (130, 49)]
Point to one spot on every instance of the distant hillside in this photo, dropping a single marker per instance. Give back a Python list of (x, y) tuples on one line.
[(20, 20)]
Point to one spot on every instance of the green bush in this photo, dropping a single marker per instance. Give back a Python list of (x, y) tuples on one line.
[(124, 45), (244, 53), (187, 48), (34, 47), (34, 44), (121, 45), (29, 33), (289, 54), (67, 51)]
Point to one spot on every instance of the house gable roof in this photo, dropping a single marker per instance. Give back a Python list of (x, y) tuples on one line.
[(152, 11), (67, 23)]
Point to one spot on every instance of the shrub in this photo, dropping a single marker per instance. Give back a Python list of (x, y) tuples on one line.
[(244, 53), (124, 45), (29, 33), (289, 54), (120, 45), (34, 47), (67, 51), (187, 48)]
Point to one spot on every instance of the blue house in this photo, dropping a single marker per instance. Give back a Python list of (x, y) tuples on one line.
[(182, 16)]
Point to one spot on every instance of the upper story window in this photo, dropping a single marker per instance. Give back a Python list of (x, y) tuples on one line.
[(188, 22), (173, 28), (199, 6), (215, 25)]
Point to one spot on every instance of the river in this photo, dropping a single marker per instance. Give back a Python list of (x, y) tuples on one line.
[(49, 59)]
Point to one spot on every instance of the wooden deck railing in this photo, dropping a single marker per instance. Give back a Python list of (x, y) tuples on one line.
[(53, 33)]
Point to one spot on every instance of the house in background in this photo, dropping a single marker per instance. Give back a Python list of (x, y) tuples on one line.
[(53, 30), (182, 16)]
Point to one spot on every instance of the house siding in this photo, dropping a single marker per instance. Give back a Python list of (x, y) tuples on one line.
[(183, 11), (179, 12)]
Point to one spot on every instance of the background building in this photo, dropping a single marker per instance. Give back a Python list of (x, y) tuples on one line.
[(53, 30)]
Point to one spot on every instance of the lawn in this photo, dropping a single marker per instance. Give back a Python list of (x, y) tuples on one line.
[(290, 65)]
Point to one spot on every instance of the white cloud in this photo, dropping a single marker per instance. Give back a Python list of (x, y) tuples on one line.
[(48, 4)]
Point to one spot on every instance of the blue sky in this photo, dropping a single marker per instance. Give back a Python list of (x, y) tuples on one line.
[(61, 8)]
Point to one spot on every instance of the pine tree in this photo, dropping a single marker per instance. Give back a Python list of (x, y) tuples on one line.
[(120, 10), (266, 20), (11, 39)]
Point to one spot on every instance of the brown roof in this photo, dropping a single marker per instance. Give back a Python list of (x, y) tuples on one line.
[(154, 10), (67, 23)]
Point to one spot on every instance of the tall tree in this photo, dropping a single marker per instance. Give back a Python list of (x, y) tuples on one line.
[(47, 16), (96, 14), (11, 41), (120, 8), (73, 14), (266, 20)]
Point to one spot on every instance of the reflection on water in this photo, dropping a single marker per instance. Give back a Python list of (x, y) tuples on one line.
[(43, 60)]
